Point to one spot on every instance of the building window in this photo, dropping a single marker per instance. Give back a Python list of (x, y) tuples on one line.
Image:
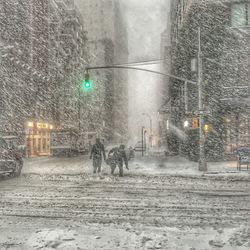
[(240, 14)]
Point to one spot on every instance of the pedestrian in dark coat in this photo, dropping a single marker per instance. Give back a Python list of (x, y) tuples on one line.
[(116, 157), (97, 152)]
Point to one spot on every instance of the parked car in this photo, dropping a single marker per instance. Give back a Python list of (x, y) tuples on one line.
[(14, 142), (68, 143), (11, 161)]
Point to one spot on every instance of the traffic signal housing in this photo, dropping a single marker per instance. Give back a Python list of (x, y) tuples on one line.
[(206, 128), (195, 122), (87, 85)]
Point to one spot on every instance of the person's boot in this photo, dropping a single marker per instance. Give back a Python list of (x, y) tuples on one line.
[(121, 172), (112, 170)]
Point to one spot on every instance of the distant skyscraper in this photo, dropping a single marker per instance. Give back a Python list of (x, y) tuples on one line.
[(108, 44)]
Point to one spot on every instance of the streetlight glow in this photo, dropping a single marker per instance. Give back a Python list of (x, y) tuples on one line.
[(30, 124), (186, 124)]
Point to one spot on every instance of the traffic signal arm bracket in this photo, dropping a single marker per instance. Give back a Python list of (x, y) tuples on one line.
[(140, 69)]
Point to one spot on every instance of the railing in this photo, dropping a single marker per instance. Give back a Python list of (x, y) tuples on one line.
[(243, 157)]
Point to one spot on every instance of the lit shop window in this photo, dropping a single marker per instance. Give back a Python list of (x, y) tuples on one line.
[(240, 14)]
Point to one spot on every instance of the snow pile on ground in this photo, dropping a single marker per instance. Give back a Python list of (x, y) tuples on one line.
[(92, 237), (53, 239), (106, 238)]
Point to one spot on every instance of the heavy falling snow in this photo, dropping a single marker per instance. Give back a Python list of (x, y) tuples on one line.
[(124, 124)]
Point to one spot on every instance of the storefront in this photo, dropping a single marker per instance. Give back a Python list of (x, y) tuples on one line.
[(237, 132), (38, 139), (236, 124)]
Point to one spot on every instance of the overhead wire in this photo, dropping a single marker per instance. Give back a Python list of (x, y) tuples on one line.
[(146, 62)]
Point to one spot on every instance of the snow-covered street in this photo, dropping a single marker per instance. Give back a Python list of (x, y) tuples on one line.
[(56, 206)]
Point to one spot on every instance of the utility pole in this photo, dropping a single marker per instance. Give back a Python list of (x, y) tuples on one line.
[(145, 70), (202, 160)]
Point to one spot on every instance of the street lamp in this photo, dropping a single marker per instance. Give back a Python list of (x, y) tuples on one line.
[(150, 125), (186, 124)]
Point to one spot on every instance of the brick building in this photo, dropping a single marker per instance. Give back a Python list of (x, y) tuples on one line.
[(43, 49), (225, 39)]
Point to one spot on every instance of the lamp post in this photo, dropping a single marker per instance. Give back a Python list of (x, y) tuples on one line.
[(142, 141), (145, 141), (150, 126)]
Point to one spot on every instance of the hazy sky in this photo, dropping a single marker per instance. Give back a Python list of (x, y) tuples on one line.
[(146, 20)]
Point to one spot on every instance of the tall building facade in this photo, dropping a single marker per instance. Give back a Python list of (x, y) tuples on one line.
[(15, 40), (43, 50), (108, 45), (224, 42)]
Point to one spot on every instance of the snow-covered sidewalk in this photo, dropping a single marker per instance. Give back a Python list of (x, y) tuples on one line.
[(182, 166), (138, 166)]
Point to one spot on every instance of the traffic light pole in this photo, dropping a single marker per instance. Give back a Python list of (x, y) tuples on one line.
[(202, 160), (140, 69), (79, 111)]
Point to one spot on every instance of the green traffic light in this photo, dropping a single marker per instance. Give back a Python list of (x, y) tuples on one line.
[(87, 84)]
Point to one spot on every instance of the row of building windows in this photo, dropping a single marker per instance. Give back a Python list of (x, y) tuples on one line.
[(181, 9), (240, 14)]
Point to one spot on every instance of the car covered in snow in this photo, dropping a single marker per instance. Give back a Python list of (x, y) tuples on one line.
[(11, 161)]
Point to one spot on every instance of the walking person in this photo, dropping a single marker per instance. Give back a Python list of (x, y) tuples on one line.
[(97, 152), (116, 157)]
